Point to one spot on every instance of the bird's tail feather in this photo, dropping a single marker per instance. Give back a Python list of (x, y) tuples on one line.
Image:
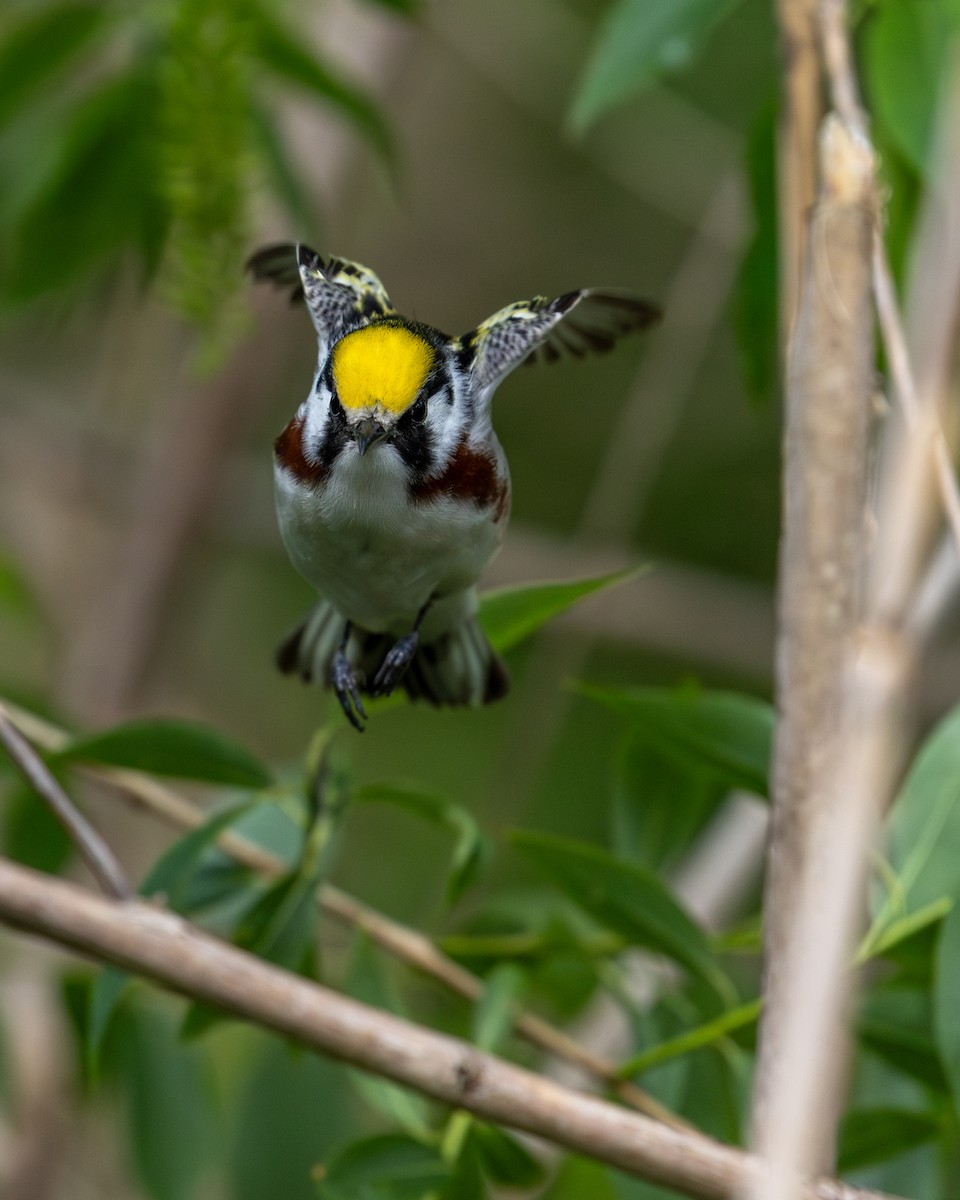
[(460, 668)]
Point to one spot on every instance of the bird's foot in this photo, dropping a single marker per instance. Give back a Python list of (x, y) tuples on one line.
[(394, 666), (344, 681)]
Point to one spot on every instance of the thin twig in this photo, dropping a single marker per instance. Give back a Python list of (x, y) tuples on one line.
[(408, 945), (162, 946), (92, 848)]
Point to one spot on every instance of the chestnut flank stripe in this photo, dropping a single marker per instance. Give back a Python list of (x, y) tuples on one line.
[(288, 449), (470, 476)]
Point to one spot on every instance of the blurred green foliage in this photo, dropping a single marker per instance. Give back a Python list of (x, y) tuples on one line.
[(152, 124)]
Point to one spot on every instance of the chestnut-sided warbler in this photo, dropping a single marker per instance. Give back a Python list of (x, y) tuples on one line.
[(392, 490)]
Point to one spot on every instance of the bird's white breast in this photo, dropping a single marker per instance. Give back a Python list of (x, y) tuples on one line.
[(375, 554)]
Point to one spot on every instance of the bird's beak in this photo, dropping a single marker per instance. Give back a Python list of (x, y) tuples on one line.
[(367, 433)]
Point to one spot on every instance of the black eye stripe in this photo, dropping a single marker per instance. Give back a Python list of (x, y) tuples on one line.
[(434, 388)]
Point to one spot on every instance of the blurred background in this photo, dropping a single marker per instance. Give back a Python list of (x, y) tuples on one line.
[(437, 146), (137, 494)]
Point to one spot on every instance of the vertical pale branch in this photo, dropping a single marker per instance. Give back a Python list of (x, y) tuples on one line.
[(921, 374), (828, 395), (853, 772), (800, 115)]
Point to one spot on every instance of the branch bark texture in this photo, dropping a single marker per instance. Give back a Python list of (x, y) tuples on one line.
[(408, 945), (164, 947), (828, 404), (796, 146)]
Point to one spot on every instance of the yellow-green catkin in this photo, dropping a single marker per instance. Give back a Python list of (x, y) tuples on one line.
[(206, 157)]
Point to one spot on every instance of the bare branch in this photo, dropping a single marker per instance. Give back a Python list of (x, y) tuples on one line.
[(829, 388), (91, 846), (36, 1067), (853, 772), (940, 316), (408, 945), (161, 946), (796, 146)]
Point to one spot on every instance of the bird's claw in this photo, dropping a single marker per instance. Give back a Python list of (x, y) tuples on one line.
[(344, 682), (392, 669)]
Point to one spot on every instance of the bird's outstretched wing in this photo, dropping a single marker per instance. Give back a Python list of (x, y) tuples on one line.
[(339, 293), (588, 321)]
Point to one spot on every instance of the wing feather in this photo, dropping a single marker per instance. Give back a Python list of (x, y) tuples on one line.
[(339, 293), (588, 321)]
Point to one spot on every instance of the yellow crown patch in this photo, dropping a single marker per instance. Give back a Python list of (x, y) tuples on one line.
[(381, 364)]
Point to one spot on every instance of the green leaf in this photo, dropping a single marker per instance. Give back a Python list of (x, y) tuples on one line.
[(494, 1013), (288, 58), (912, 1053), (32, 835), (723, 732), (105, 995), (172, 873), (168, 747), (219, 883), (623, 897), (504, 1160), (637, 42), (288, 1111), (897, 1025), (578, 1178), (923, 830), (906, 937), (471, 849), (907, 47), (875, 1135), (660, 803), (281, 926), (717, 1092), (509, 615), (386, 1167), (37, 47), (173, 1131), (173, 876), (466, 1181), (946, 1001), (708, 1034), (102, 195)]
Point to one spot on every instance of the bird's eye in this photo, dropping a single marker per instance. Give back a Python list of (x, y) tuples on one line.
[(418, 410), (336, 408)]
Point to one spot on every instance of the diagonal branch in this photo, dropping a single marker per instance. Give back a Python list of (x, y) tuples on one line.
[(92, 848), (161, 946), (404, 943)]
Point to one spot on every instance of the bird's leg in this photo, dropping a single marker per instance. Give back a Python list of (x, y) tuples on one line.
[(345, 682), (399, 657)]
